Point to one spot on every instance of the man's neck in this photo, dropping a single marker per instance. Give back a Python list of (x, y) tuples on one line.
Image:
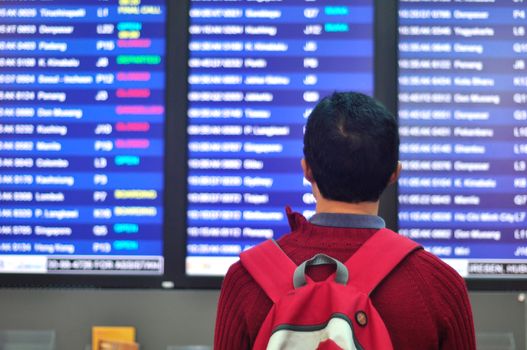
[(363, 208)]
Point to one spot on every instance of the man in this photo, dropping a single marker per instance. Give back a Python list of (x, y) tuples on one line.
[(350, 155)]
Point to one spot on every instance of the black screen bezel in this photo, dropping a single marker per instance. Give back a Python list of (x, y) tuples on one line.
[(386, 71), (391, 196), (175, 14), (385, 28), (175, 201)]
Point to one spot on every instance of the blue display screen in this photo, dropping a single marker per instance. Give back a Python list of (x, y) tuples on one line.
[(256, 69), (82, 136), (463, 125)]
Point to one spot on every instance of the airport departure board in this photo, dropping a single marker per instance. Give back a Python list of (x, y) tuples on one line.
[(81, 136), (463, 126), (256, 69)]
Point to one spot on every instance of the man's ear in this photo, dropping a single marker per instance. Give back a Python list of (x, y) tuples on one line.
[(395, 175), (308, 174)]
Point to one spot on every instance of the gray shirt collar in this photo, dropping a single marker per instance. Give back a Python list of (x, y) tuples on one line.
[(347, 220)]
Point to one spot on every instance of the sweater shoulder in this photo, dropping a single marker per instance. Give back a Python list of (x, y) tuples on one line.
[(238, 282), (442, 286), (242, 307), (235, 272), (447, 299), (431, 268)]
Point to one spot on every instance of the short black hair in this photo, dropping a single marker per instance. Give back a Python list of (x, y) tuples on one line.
[(351, 143)]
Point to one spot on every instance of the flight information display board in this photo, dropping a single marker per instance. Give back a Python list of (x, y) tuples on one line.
[(81, 136), (256, 69), (463, 126)]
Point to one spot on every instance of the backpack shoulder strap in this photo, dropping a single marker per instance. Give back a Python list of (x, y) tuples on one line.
[(377, 257), (272, 269)]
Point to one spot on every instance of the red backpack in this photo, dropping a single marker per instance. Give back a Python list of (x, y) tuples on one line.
[(335, 314)]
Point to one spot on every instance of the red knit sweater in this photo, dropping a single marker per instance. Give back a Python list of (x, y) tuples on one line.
[(423, 302)]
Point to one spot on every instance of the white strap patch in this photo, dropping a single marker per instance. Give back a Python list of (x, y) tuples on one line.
[(337, 329)]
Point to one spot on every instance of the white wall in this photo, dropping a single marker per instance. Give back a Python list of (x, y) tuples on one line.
[(179, 317)]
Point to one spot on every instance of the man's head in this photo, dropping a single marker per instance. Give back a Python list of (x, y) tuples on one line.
[(351, 147)]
